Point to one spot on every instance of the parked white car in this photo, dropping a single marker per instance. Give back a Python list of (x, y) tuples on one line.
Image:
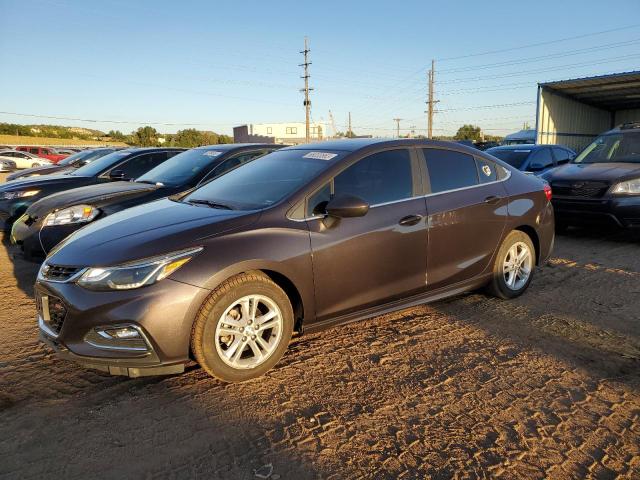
[(24, 159)]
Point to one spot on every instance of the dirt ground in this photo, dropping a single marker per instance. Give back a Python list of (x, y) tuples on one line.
[(545, 386)]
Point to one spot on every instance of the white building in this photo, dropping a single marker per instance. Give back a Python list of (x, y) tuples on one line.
[(291, 133)]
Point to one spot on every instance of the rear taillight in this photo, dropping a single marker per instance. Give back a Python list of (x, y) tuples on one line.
[(547, 192)]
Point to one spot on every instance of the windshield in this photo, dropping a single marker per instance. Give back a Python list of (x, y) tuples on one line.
[(515, 158), (266, 181), (98, 166), (616, 147), (183, 167), (72, 158)]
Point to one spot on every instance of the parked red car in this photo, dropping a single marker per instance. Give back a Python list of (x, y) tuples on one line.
[(44, 152)]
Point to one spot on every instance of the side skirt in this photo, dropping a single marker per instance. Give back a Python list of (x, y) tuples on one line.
[(396, 305)]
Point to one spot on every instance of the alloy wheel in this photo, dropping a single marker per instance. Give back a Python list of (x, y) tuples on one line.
[(517, 265), (249, 331)]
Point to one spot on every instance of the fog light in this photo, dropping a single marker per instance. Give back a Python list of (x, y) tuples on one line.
[(122, 333), (118, 338)]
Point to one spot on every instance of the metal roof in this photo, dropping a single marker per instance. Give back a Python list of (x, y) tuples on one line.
[(609, 92)]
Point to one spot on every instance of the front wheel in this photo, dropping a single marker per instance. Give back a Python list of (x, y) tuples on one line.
[(34, 165), (243, 328), (513, 267)]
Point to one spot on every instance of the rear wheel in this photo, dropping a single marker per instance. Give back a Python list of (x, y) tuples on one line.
[(243, 328), (34, 165), (513, 267)]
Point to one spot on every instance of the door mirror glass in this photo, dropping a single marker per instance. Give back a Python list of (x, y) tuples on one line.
[(116, 175), (347, 206)]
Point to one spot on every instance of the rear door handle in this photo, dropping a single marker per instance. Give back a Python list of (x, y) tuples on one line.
[(410, 220), (492, 200)]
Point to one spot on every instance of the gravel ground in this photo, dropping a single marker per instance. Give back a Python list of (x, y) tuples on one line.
[(546, 386)]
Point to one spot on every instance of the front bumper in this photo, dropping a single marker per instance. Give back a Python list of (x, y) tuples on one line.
[(11, 210), (37, 242), (163, 313), (623, 211)]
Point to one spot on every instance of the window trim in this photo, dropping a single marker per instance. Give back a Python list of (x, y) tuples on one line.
[(417, 173)]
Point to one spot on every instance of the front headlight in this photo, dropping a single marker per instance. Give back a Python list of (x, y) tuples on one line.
[(628, 187), (136, 274), (18, 194), (75, 214)]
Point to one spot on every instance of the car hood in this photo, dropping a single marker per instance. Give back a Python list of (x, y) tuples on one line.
[(146, 230), (93, 195), (35, 182), (602, 172)]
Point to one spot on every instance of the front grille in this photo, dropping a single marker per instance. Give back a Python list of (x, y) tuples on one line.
[(586, 189), (59, 273), (56, 314)]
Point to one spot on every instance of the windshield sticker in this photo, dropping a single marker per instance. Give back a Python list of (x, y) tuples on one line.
[(320, 155), (486, 169), (212, 153)]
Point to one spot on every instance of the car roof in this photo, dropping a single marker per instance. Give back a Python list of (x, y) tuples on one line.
[(355, 144), (225, 147)]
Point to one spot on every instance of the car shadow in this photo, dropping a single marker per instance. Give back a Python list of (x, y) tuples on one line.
[(25, 272)]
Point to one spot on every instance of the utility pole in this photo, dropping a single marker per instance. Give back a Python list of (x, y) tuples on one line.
[(306, 89), (350, 133), (431, 101), (397, 120), (413, 131)]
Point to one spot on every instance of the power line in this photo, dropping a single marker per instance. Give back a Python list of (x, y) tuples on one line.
[(540, 44), (90, 120)]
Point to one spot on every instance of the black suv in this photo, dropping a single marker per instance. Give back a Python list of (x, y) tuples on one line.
[(48, 221), (602, 184)]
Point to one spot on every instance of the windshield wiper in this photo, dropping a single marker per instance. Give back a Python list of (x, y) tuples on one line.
[(211, 203)]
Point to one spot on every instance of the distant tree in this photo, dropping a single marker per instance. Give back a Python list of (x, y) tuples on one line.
[(468, 132), (145, 137), (116, 135), (188, 138), (225, 139)]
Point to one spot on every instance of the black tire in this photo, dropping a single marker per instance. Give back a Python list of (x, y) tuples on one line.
[(498, 286), (203, 338), (34, 165)]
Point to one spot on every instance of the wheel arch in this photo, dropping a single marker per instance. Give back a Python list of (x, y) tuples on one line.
[(533, 235)]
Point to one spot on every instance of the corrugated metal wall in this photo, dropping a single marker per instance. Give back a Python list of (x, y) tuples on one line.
[(626, 116), (564, 121)]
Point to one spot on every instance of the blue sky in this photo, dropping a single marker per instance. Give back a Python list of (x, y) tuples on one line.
[(213, 65)]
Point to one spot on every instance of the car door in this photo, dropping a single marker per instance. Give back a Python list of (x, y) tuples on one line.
[(364, 261), (23, 160), (467, 212)]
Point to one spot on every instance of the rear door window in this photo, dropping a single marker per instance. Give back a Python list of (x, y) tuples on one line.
[(562, 155), (450, 170), (141, 164), (487, 171), (541, 159), (35, 151), (379, 178)]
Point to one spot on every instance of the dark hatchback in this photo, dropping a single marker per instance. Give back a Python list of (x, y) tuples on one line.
[(18, 195), (533, 158), (602, 185), (299, 240), (48, 221), (66, 165)]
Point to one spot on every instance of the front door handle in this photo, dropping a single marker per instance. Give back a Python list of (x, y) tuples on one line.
[(410, 220), (492, 200)]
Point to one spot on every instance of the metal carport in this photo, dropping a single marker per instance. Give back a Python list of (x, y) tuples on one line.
[(573, 112)]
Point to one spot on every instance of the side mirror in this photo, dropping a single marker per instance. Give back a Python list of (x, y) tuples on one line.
[(347, 206), (116, 175)]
